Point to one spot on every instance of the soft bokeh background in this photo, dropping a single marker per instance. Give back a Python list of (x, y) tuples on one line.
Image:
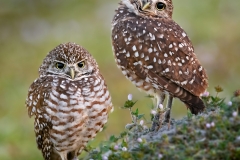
[(30, 29)]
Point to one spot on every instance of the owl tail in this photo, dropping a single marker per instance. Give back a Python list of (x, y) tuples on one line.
[(195, 104)]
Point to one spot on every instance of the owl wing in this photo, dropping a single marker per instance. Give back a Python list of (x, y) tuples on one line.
[(38, 91), (37, 95), (162, 48)]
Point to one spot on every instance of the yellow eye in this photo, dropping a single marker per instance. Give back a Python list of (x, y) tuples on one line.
[(59, 65), (81, 64), (160, 6)]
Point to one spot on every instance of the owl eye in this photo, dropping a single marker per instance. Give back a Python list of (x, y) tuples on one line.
[(81, 64), (160, 6), (60, 65)]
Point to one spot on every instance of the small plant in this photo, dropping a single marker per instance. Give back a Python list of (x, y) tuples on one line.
[(214, 134), (136, 117)]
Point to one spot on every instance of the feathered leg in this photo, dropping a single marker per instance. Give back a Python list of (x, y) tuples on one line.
[(160, 99), (169, 106)]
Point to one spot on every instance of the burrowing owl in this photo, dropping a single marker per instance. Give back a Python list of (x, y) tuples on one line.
[(70, 102), (155, 53)]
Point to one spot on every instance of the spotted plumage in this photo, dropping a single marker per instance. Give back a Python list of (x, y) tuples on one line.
[(155, 53), (70, 102)]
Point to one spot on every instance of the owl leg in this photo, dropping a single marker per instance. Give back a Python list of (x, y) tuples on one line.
[(72, 155), (169, 106), (69, 156), (63, 156), (160, 99), (75, 158)]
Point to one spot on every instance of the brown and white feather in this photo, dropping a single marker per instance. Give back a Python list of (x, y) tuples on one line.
[(68, 112), (155, 53)]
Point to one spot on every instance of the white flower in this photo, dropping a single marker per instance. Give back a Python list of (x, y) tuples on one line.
[(238, 138), (124, 149), (141, 122), (205, 94), (153, 112), (140, 140), (105, 158), (160, 156), (229, 103), (160, 106), (116, 147), (130, 97), (208, 125), (234, 114), (213, 124)]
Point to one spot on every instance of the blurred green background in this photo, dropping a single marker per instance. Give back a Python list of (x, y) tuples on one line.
[(30, 29)]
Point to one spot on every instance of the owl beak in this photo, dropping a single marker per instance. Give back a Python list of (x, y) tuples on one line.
[(145, 6), (72, 73)]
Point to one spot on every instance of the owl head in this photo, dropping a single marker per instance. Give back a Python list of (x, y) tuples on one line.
[(159, 8), (70, 61)]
